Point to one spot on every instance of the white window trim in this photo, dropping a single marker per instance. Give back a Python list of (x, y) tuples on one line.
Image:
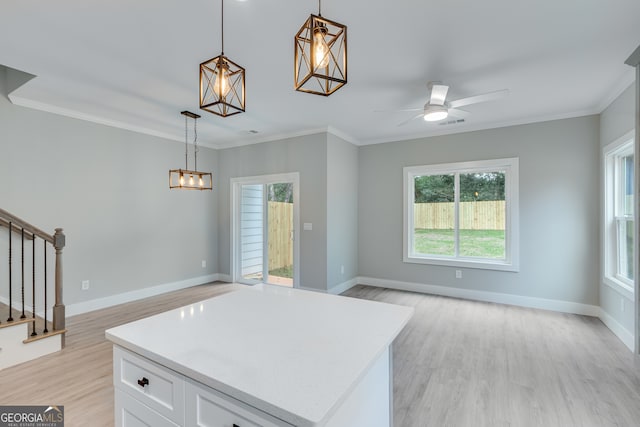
[(512, 227), (610, 152)]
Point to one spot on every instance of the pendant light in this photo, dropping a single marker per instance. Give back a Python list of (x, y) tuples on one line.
[(222, 88), (320, 56), (190, 179)]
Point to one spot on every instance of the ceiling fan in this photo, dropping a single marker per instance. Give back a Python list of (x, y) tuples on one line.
[(438, 108)]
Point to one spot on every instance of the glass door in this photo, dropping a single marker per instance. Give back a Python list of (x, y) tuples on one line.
[(279, 227), (265, 223)]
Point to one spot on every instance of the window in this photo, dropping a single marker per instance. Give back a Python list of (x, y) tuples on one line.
[(619, 216), (462, 214)]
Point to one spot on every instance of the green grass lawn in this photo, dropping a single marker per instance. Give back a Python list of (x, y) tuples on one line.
[(283, 272), (473, 243)]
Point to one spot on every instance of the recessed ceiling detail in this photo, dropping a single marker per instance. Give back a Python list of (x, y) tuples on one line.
[(133, 64)]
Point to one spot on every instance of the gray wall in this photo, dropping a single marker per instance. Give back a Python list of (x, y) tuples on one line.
[(559, 208), (617, 120), (306, 155), (127, 231), (342, 211), (108, 189)]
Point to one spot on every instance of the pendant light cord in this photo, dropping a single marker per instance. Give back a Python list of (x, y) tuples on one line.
[(186, 146), (222, 25), (319, 13), (195, 143)]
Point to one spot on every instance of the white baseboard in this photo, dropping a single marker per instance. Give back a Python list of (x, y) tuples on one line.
[(322, 291), (519, 300), (336, 290), (224, 278), (343, 287), (623, 334), (99, 303)]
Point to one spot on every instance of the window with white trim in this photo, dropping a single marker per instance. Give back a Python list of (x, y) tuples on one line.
[(462, 214), (619, 216)]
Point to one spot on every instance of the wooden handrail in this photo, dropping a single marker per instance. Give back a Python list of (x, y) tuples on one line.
[(58, 241), (9, 218), (5, 223)]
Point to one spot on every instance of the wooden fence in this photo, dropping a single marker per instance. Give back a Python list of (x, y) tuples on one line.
[(473, 215), (280, 225)]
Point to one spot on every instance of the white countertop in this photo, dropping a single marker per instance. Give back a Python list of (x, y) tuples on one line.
[(291, 353)]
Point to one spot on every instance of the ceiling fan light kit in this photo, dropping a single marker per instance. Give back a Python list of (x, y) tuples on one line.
[(320, 56), (434, 113), (222, 83), (438, 108)]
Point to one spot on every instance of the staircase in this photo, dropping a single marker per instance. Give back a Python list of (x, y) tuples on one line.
[(27, 291)]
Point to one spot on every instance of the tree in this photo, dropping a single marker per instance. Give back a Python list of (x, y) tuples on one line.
[(482, 186), (434, 189), (281, 192), (477, 186)]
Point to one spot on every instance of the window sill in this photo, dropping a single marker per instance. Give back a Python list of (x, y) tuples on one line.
[(620, 287), (464, 263)]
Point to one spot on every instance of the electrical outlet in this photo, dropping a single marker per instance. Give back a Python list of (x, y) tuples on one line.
[(342, 269), (85, 285), (204, 263), (622, 305), (458, 274)]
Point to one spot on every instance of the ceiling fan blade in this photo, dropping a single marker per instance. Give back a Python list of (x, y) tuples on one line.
[(460, 114), (398, 111), (438, 94), (479, 98), (411, 119)]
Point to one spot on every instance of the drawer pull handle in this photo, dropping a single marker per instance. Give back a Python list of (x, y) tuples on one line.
[(143, 382)]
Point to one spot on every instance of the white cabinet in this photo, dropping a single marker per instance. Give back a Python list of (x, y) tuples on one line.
[(153, 385), (206, 407), (130, 412), (149, 394)]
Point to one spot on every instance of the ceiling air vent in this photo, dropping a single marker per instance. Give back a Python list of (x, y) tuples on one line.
[(451, 122)]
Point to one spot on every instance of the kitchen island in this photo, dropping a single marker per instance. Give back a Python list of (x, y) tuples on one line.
[(260, 356)]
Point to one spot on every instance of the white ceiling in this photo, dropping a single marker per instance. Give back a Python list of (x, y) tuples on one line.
[(134, 64)]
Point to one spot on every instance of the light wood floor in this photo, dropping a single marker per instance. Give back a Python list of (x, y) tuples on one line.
[(457, 363), (464, 363), (80, 376)]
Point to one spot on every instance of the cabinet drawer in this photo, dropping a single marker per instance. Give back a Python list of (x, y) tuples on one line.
[(131, 413), (206, 407), (154, 385)]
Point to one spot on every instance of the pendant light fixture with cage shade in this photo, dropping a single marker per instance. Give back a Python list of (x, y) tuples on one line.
[(320, 56), (222, 90)]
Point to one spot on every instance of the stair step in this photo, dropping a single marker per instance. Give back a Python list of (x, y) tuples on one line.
[(14, 322), (17, 320), (44, 335)]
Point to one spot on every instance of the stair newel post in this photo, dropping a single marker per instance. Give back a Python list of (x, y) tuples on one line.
[(58, 308)]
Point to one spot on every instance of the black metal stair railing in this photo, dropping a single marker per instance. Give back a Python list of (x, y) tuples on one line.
[(38, 285)]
